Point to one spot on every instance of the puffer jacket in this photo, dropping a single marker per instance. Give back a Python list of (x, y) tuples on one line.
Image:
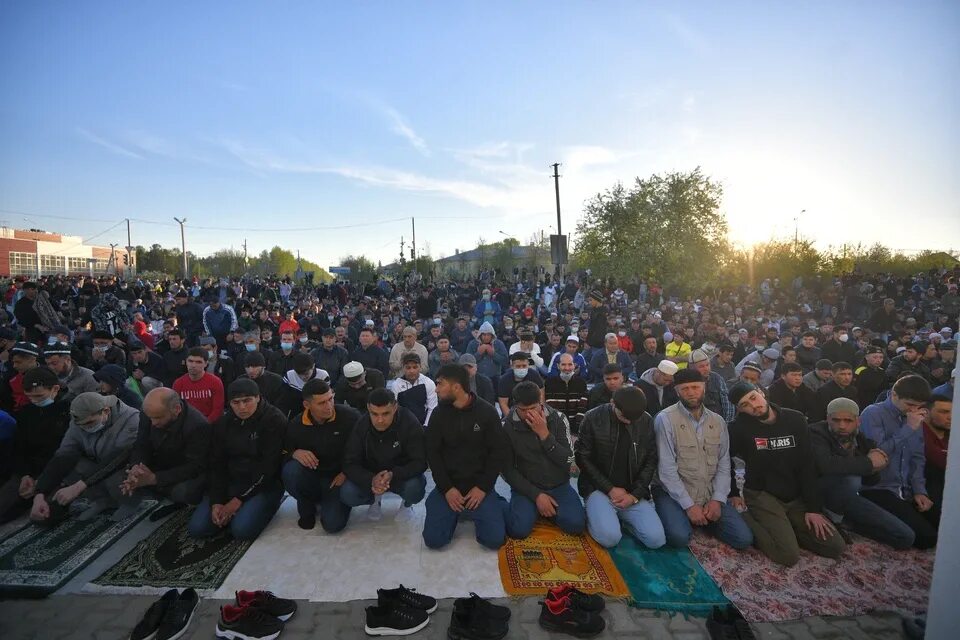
[(600, 435)]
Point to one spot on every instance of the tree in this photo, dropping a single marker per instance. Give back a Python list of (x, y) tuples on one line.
[(362, 269), (666, 227)]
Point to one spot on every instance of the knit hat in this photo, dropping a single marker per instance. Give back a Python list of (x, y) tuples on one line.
[(668, 367), (596, 295), (684, 376), (771, 354), (822, 364), (352, 370), (845, 405), (739, 390), (254, 359), (468, 360), (242, 388), (26, 348), (112, 374)]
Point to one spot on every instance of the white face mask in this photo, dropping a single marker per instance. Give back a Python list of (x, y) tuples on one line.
[(621, 333), (520, 374), (844, 337), (566, 376)]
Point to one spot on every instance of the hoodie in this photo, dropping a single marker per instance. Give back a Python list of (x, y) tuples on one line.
[(657, 397), (490, 365)]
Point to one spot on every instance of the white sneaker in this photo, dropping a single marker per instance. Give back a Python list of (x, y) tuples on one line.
[(375, 511), (405, 514)]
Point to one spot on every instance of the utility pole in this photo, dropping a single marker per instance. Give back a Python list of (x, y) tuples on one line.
[(796, 230), (129, 270), (183, 245), (244, 254), (413, 243), (556, 187), (113, 258)]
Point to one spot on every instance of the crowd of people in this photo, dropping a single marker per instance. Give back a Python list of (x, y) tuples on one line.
[(781, 416)]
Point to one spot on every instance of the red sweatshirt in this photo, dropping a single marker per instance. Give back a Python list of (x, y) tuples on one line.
[(935, 448), (205, 395)]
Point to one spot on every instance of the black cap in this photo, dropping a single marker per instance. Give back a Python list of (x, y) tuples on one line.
[(6, 333), (686, 375), (39, 377), (26, 348), (822, 364), (254, 359), (739, 390), (872, 349), (113, 374), (328, 332), (242, 388), (57, 349)]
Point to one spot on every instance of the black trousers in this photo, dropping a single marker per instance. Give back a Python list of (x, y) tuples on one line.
[(923, 524)]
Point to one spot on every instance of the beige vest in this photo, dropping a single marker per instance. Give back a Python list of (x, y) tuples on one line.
[(696, 458)]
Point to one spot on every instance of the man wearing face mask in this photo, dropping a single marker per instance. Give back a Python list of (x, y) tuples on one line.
[(41, 426), (281, 361), (520, 370), (222, 366), (76, 379), (89, 461), (567, 392), (330, 356), (839, 348)]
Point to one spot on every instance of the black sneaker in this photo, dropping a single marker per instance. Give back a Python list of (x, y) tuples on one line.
[(146, 629), (579, 599), (393, 620), (562, 617), (247, 623), (178, 615), (280, 608), (496, 612), (474, 624), (720, 626), (307, 512), (744, 632), (407, 598)]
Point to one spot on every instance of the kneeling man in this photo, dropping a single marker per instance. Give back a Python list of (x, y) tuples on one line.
[(538, 470), (693, 470), (385, 453)]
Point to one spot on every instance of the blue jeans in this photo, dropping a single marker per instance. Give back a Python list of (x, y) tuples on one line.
[(841, 495), (247, 523), (411, 490), (571, 516), (640, 520), (488, 519), (310, 488), (729, 529)]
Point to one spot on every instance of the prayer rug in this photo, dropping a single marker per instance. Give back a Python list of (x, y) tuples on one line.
[(35, 561), (170, 558), (666, 579), (549, 557), (868, 577)]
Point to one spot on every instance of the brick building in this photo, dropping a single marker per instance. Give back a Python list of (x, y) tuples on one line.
[(33, 252)]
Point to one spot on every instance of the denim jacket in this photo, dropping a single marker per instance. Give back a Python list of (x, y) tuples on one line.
[(887, 426)]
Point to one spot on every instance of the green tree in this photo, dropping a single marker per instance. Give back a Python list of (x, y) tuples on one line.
[(666, 227), (362, 268)]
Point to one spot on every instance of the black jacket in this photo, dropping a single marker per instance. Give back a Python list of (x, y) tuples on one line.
[(826, 394), (400, 449), (245, 454), (331, 361), (373, 358), (833, 460), (484, 390), (176, 452), (38, 435), (802, 399), (175, 365), (600, 435), (270, 385), (225, 368), (537, 465), (357, 397), (836, 351), (155, 366), (327, 440), (466, 448)]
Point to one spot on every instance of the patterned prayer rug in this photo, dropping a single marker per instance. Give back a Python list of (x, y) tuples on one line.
[(666, 579), (36, 561), (170, 558), (549, 557), (868, 577)]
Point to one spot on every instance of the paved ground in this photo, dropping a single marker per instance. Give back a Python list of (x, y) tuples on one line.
[(88, 617)]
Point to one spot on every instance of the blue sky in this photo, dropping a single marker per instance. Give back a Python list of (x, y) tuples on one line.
[(268, 121)]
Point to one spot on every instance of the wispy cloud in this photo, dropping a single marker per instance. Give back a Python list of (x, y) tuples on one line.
[(106, 144), (687, 34), (400, 127)]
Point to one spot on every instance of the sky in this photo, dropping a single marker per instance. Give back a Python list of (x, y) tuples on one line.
[(324, 127)]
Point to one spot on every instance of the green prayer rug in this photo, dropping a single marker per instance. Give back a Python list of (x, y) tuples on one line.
[(666, 579), (170, 558), (35, 561)]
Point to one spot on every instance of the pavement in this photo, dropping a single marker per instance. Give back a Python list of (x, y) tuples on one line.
[(111, 617)]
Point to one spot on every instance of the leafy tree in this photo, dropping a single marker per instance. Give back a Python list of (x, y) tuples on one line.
[(666, 227), (362, 269)]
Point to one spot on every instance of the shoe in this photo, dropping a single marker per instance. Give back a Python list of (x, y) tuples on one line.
[(473, 622), (496, 612), (96, 508), (280, 608), (165, 510), (124, 512), (393, 620), (247, 623), (579, 599), (177, 618), (407, 598), (744, 632), (405, 514), (561, 616), (720, 626), (375, 510), (308, 515), (147, 628)]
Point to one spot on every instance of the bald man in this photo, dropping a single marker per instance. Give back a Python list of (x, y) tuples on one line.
[(169, 458)]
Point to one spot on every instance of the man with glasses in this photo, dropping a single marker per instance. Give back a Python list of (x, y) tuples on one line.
[(781, 501)]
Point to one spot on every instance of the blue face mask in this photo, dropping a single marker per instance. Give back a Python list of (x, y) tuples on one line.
[(250, 347), (286, 346), (44, 403)]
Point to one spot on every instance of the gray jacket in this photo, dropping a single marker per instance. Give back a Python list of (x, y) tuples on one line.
[(535, 464), (80, 380)]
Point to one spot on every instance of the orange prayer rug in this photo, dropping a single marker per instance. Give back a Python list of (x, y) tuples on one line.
[(548, 557)]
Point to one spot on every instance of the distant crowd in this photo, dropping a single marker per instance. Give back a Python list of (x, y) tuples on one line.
[(767, 415)]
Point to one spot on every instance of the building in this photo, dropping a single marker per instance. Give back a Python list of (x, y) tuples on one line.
[(528, 258), (34, 252)]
